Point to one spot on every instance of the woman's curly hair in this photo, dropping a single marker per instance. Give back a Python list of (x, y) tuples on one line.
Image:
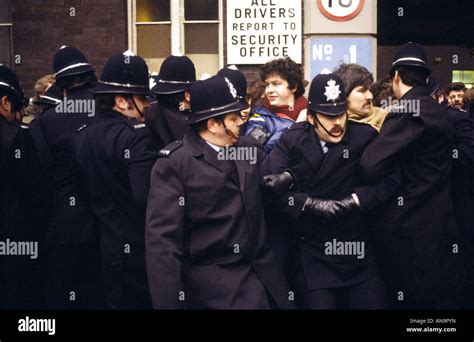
[(288, 70)]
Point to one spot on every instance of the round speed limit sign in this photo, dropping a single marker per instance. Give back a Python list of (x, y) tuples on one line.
[(340, 10)]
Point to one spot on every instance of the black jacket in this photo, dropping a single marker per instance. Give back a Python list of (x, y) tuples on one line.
[(24, 204), (462, 183), (415, 230), (326, 176), (166, 123), (71, 219), (115, 155), (206, 235)]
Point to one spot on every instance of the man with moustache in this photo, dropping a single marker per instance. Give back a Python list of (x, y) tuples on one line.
[(312, 178), (455, 92), (357, 81), (206, 242)]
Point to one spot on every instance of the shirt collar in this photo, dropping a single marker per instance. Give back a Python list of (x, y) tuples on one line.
[(215, 147)]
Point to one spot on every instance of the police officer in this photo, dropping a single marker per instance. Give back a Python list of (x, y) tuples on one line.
[(22, 202), (73, 262), (326, 203), (115, 154), (205, 233), (167, 118), (462, 187), (416, 233)]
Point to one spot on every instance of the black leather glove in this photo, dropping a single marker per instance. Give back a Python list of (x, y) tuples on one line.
[(260, 133), (322, 208), (278, 184), (348, 205)]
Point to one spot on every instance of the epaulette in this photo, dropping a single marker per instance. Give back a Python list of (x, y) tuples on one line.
[(299, 125), (132, 123), (166, 151)]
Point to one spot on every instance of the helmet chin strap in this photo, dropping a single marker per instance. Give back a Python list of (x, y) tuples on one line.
[(136, 107), (324, 128), (229, 132)]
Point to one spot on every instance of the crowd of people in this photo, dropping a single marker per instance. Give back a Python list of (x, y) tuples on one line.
[(169, 192)]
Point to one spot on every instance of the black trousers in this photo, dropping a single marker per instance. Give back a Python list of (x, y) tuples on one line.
[(21, 282), (370, 294), (74, 278)]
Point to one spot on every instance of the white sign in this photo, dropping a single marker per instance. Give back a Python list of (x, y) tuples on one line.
[(340, 10), (262, 30)]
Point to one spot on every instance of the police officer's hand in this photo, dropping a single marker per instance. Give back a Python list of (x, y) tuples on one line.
[(348, 204), (323, 208), (277, 184)]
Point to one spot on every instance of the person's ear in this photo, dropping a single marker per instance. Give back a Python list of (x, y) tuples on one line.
[(396, 77), (5, 103), (187, 96), (121, 102), (212, 126), (310, 118)]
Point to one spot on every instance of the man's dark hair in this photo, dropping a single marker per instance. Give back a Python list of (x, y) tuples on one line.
[(104, 102), (354, 75), (16, 103), (411, 75), (77, 82), (382, 90), (202, 125), (455, 86), (288, 70), (170, 100)]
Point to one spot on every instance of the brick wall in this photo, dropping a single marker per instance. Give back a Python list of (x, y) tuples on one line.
[(40, 27)]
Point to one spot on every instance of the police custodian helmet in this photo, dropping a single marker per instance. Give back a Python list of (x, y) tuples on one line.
[(213, 97), (239, 81), (327, 95), (124, 73), (69, 61), (9, 84), (410, 54), (177, 74)]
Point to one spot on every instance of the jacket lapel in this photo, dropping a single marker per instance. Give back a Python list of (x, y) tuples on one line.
[(334, 156), (312, 151), (199, 147)]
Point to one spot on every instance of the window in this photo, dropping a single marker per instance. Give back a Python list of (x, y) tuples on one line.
[(153, 31), (163, 27), (464, 76)]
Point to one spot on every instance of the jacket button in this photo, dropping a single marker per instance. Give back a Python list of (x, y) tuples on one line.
[(302, 238)]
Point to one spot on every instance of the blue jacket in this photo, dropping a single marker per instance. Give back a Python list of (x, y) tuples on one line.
[(261, 117)]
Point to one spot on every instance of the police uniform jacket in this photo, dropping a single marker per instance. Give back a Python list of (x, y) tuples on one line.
[(332, 175), (167, 124), (206, 241), (415, 229), (115, 155), (71, 219), (23, 213)]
